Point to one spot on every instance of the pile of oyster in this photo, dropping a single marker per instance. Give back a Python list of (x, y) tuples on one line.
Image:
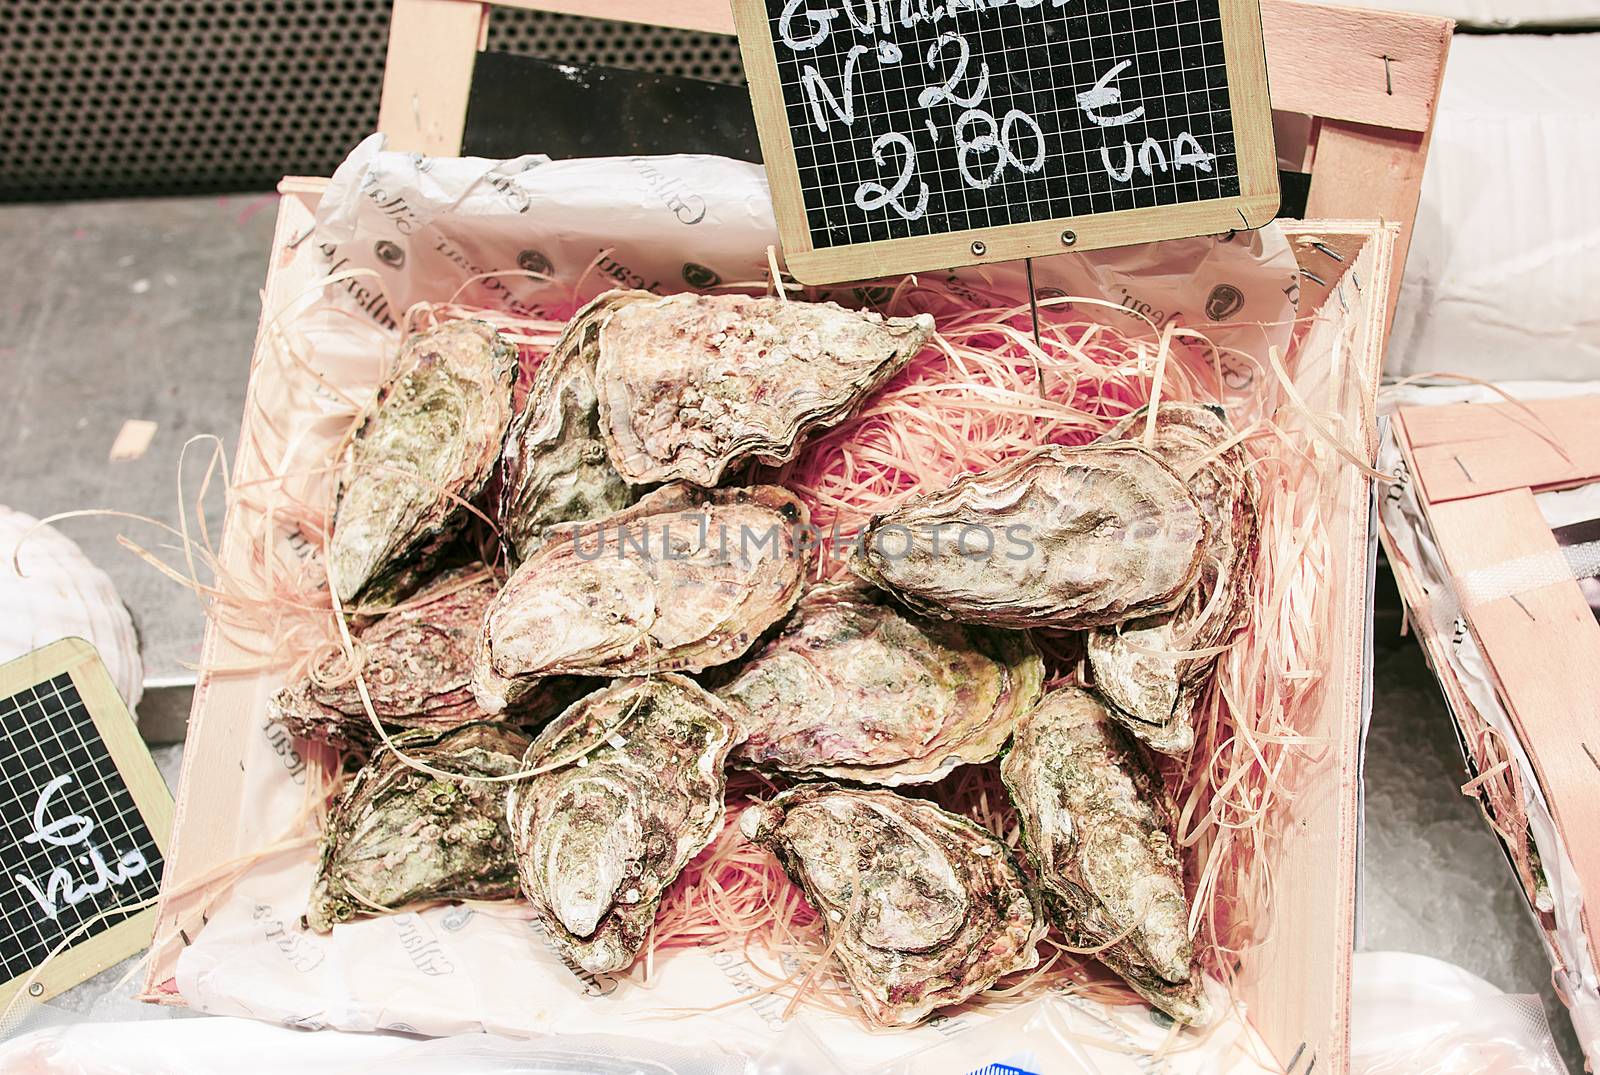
[(559, 729)]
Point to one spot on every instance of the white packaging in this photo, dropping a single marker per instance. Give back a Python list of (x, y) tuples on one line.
[(1503, 279)]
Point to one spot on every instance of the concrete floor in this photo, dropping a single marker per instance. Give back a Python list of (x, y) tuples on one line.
[(147, 309)]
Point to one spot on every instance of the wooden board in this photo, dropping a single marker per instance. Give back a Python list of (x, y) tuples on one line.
[(890, 149), (1471, 449), (86, 817), (1543, 646), (1296, 985)]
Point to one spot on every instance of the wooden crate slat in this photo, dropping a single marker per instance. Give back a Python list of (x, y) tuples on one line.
[(1543, 647), (1329, 62), (427, 75), (1470, 449), (709, 16)]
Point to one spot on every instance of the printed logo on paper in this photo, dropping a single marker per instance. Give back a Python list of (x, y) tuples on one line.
[(535, 262), (699, 276), (1007, 1067), (390, 253), (1225, 301)]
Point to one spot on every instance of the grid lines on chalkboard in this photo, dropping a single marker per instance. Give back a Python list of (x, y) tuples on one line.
[(886, 153), (52, 882)]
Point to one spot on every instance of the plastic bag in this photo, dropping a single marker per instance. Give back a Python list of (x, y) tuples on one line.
[(1412, 1015)]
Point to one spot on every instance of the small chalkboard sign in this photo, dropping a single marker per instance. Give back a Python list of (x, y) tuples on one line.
[(84, 821), (907, 135)]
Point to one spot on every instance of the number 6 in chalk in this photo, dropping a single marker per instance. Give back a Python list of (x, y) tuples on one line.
[(874, 195)]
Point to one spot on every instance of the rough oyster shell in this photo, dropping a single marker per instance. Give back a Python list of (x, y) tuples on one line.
[(399, 836), (1063, 537), (683, 580), (428, 440), (922, 907), (856, 688), (598, 842), (691, 384), (417, 665), (555, 468), (1152, 695), (1097, 825)]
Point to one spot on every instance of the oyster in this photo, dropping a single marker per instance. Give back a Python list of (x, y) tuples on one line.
[(417, 666), (597, 842), (1063, 537), (428, 441), (684, 580), (399, 836), (1097, 825), (691, 384), (922, 907), (856, 688), (1154, 695), (555, 468)]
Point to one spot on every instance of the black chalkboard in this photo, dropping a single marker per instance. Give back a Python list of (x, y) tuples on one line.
[(887, 120), (80, 837)]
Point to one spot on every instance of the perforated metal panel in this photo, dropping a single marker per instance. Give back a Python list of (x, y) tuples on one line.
[(118, 97)]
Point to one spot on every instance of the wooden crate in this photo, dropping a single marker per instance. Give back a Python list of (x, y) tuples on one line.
[(1354, 92), (1297, 985), (1475, 469)]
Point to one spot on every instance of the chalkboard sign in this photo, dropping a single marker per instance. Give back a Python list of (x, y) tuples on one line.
[(84, 818), (906, 135)]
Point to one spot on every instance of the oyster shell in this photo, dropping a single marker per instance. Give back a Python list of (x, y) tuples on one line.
[(1153, 695), (555, 468), (428, 440), (399, 836), (691, 384), (1097, 826), (856, 688), (1063, 537), (684, 580), (599, 841), (922, 907), (417, 665)]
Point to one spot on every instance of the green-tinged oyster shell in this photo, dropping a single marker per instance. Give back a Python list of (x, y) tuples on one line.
[(399, 836), (428, 441), (689, 385), (417, 665), (856, 688), (1153, 695), (1097, 825), (922, 907), (684, 580), (598, 841), (555, 468), (1065, 538)]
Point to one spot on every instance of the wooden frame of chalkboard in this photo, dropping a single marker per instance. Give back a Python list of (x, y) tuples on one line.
[(74, 662), (1053, 195)]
